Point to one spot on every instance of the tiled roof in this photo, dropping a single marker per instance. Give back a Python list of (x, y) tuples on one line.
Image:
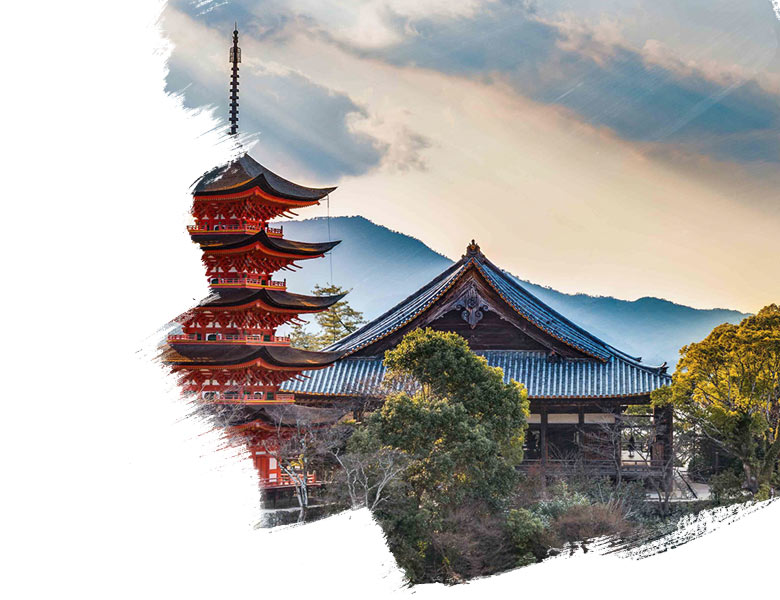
[(245, 172), (521, 300), (543, 378), (607, 373)]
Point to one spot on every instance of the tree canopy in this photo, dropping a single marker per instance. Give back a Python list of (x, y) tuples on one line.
[(728, 386), (335, 323), (462, 427)]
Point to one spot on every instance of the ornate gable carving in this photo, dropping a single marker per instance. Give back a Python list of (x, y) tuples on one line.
[(472, 305)]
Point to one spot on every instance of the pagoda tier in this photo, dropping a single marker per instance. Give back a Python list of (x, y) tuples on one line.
[(259, 254), (242, 309), (242, 371), (244, 191)]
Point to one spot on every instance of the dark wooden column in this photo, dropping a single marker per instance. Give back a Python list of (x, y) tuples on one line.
[(543, 436), (663, 419)]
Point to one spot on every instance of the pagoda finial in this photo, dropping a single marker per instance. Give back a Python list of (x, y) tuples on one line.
[(235, 58), (473, 250)]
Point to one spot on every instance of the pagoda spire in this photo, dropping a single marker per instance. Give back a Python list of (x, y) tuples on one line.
[(235, 58)]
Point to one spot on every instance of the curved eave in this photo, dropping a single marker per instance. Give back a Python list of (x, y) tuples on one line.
[(352, 394), (272, 246), (267, 357), (261, 184), (272, 300), (256, 192), (244, 173)]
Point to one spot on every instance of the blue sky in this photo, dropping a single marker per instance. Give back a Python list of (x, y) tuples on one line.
[(650, 125)]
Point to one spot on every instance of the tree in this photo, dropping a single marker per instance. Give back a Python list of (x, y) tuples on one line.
[(728, 388), (339, 320), (335, 323), (463, 429), (367, 471), (300, 337), (301, 437)]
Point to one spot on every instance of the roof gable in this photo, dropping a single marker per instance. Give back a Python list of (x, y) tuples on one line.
[(519, 300)]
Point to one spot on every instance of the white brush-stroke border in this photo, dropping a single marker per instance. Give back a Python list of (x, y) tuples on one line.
[(108, 491)]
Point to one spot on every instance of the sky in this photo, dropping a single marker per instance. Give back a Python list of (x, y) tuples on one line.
[(613, 147), (113, 491)]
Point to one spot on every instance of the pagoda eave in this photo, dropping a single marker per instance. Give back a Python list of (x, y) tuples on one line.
[(272, 247), (256, 192), (266, 357), (274, 300)]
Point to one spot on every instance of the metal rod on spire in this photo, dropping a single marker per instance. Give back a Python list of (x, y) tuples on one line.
[(235, 58)]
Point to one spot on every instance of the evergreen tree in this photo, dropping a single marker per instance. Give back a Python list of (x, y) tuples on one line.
[(465, 427), (300, 337), (339, 320)]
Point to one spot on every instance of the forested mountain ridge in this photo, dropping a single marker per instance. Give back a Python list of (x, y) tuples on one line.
[(382, 267)]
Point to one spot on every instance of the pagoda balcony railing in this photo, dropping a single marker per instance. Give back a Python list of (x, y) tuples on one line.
[(249, 398), (284, 480), (248, 282), (233, 227), (229, 338)]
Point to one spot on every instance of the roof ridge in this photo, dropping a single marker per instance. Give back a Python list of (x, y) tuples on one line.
[(443, 275), (515, 282)]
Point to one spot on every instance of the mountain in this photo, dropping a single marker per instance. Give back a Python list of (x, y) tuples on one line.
[(382, 267)]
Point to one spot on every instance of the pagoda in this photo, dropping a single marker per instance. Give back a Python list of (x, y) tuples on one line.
[(228, 356)]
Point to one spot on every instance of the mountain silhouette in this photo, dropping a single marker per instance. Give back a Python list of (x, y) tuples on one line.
[(381, 267)]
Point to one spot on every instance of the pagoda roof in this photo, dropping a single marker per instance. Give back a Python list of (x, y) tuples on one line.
[(244, 173), (276, 244), (594, 369), (229, 297), (245, 355)]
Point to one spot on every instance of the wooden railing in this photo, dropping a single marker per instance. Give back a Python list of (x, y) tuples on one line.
[(603, 466), (229, 338), (249, 398), (285, 480), (247, 281), (232, 227)]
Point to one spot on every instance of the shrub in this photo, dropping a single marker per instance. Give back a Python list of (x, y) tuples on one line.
[(472, 541), (726, 487), (561, 499), (584, 522), (526, 531)]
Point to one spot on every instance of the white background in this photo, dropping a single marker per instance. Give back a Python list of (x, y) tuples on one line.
[(108, 490)]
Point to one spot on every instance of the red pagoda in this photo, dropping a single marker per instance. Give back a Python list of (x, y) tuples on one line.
[(228, 354)]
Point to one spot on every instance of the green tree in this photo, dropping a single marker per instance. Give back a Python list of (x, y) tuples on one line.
[(300, 337), (464, 427), (728, 387), (339, 320), (335, 323)]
